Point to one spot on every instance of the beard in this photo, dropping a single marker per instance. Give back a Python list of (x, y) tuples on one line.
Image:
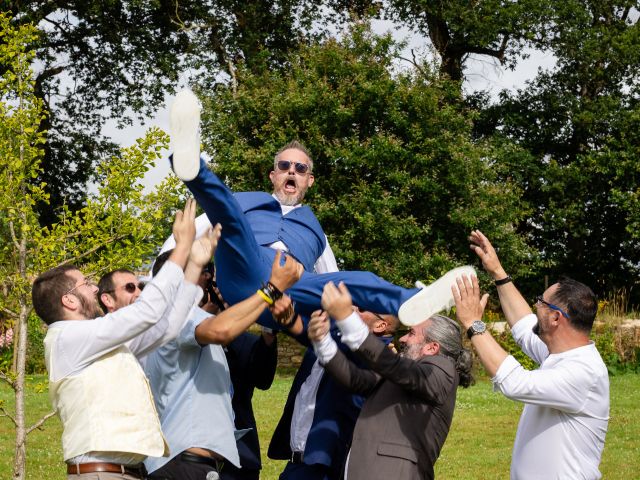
[(90, 307), (289, 200), (411, 351)]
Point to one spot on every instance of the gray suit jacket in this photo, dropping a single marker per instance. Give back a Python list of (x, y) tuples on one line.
[(406, 417)]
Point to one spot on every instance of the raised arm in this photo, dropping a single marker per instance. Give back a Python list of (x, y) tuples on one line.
[(230, 323), (168, 328), (513, 304)]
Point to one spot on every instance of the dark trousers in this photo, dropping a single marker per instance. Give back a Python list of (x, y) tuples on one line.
[(302, 471), (179, 469), (233, 473)]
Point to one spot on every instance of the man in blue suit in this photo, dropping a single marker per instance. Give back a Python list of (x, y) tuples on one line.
[(315, 430), (256, 223)]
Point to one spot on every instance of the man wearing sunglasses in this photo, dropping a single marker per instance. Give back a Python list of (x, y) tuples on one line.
[(118, 289), (256, 223), (564, 421)]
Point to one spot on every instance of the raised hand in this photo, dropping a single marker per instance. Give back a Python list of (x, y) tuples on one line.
[(318, 327), (203, 248), (284, 314), (487, 254), (184, 228), (284, 276), (336, 301), (469, 305)]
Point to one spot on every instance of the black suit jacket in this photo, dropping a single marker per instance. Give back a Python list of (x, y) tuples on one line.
[(406, 416), (252, 364)]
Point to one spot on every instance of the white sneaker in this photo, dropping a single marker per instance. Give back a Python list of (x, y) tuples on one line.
[(184, 124), (433, 298)]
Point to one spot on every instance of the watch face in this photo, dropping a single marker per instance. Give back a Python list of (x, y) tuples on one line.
[(479, 326)]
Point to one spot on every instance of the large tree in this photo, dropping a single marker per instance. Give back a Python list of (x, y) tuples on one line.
[(490, 29), (399, 184), (117, 59), (579, 122)]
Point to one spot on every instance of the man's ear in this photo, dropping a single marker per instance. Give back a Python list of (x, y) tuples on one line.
[(108, 301), (271, 175), (379, 327), (430, 348), (70, 302), (311, 179)]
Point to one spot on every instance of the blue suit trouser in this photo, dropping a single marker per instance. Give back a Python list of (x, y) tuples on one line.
[(242, 265)]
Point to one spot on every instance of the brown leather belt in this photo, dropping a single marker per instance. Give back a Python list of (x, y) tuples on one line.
[(137, 471)]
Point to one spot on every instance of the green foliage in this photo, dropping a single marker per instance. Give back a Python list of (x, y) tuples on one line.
[(506, 341), (619, 355), (399, 183), (459, 28), (579, 125)]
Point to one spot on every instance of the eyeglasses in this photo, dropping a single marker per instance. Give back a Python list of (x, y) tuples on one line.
[(539, 299), (285, 165), (129, 287), (86, 282)]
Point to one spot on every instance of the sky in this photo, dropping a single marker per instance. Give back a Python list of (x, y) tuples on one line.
[(481, 74)]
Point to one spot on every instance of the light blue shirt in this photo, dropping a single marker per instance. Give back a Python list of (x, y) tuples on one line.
[(191, 388)]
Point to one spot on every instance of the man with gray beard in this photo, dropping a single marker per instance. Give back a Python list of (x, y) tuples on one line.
[(410, 397)]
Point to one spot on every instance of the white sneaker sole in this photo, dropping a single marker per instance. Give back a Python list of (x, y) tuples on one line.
[(184, 124), (433, 298)]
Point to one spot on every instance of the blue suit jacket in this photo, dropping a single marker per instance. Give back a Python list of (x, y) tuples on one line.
[(335, 416)]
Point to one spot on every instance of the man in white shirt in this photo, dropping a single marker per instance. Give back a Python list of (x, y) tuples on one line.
[(96, 384), (564, 421)]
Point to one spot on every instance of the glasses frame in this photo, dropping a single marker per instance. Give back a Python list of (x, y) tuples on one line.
[(87, 281), (539, 299), (301, 168)]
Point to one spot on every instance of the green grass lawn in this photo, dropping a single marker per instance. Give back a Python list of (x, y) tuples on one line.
[(478, 447)]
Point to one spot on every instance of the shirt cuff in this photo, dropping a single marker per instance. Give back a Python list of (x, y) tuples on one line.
[(354, 331), (504, 370), (325, 349)]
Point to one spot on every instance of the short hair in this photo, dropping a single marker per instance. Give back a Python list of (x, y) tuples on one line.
[(579, 302), (105, 285), (47, 291), (446, 333), (293, 145), (160, 261)]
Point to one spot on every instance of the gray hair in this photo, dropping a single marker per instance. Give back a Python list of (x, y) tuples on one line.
[(446, 333), (293, 145)]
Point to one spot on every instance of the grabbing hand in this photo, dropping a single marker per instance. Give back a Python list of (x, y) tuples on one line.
[(336, 301), (318, 326), (203, 248), (469, 305), (184, 227), (483, 248), (284, 276)]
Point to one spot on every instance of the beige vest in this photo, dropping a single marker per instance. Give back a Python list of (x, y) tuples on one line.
[(107, 407)]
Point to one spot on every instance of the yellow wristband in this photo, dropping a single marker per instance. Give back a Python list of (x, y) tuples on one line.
[(264, 297)]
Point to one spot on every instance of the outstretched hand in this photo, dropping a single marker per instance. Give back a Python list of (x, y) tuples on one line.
[(184, 227), (318, 326), (336, 301), (469, 305), (203, 248), (483, 248), (284, 276)]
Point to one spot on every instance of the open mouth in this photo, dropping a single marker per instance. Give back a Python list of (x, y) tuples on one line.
[(290, 186)]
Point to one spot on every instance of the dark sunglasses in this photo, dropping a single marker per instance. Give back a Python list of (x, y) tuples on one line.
[(285, 165), (539, 299), (129, 287)]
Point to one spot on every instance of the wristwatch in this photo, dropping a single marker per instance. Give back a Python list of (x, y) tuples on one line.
[(476, 328)]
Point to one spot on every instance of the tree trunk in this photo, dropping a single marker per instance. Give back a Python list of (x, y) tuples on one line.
[(19, 461)]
